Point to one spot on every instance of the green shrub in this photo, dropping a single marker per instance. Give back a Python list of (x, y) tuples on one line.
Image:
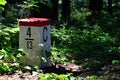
[(78, 17), (92, 65), (53, 76), (9, 38), (77, 44), (2, 2)]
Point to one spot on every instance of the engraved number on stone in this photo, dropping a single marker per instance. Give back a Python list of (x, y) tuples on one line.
[(29, 44), (29, 32)]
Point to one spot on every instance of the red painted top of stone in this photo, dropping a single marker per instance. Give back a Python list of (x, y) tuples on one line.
[(34, 22)]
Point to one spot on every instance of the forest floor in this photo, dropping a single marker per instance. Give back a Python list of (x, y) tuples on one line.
[(110, 72)]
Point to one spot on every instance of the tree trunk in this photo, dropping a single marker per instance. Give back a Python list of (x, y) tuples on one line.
[(65, 9), (54, 10), (95, 5), (110, 7)]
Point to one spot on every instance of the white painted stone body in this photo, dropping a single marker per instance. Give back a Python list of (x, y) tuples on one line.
[(35, 41)]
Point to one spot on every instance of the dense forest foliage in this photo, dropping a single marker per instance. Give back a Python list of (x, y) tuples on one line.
[(84, 32)]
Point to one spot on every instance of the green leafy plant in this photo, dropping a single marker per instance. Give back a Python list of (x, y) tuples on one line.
[(92, 65), (115, 62), (4, 68), (9, 53), (8, 57), (7, 62), (53, 76), (85, 43), (2, 2)]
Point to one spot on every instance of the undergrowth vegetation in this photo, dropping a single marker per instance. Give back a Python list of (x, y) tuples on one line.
[(92, 46), (73, 44), (91, 43), (53, 76)]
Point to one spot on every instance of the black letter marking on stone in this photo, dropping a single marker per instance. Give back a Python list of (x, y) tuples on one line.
[(29, 32), (29, 44), (45, 37)]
